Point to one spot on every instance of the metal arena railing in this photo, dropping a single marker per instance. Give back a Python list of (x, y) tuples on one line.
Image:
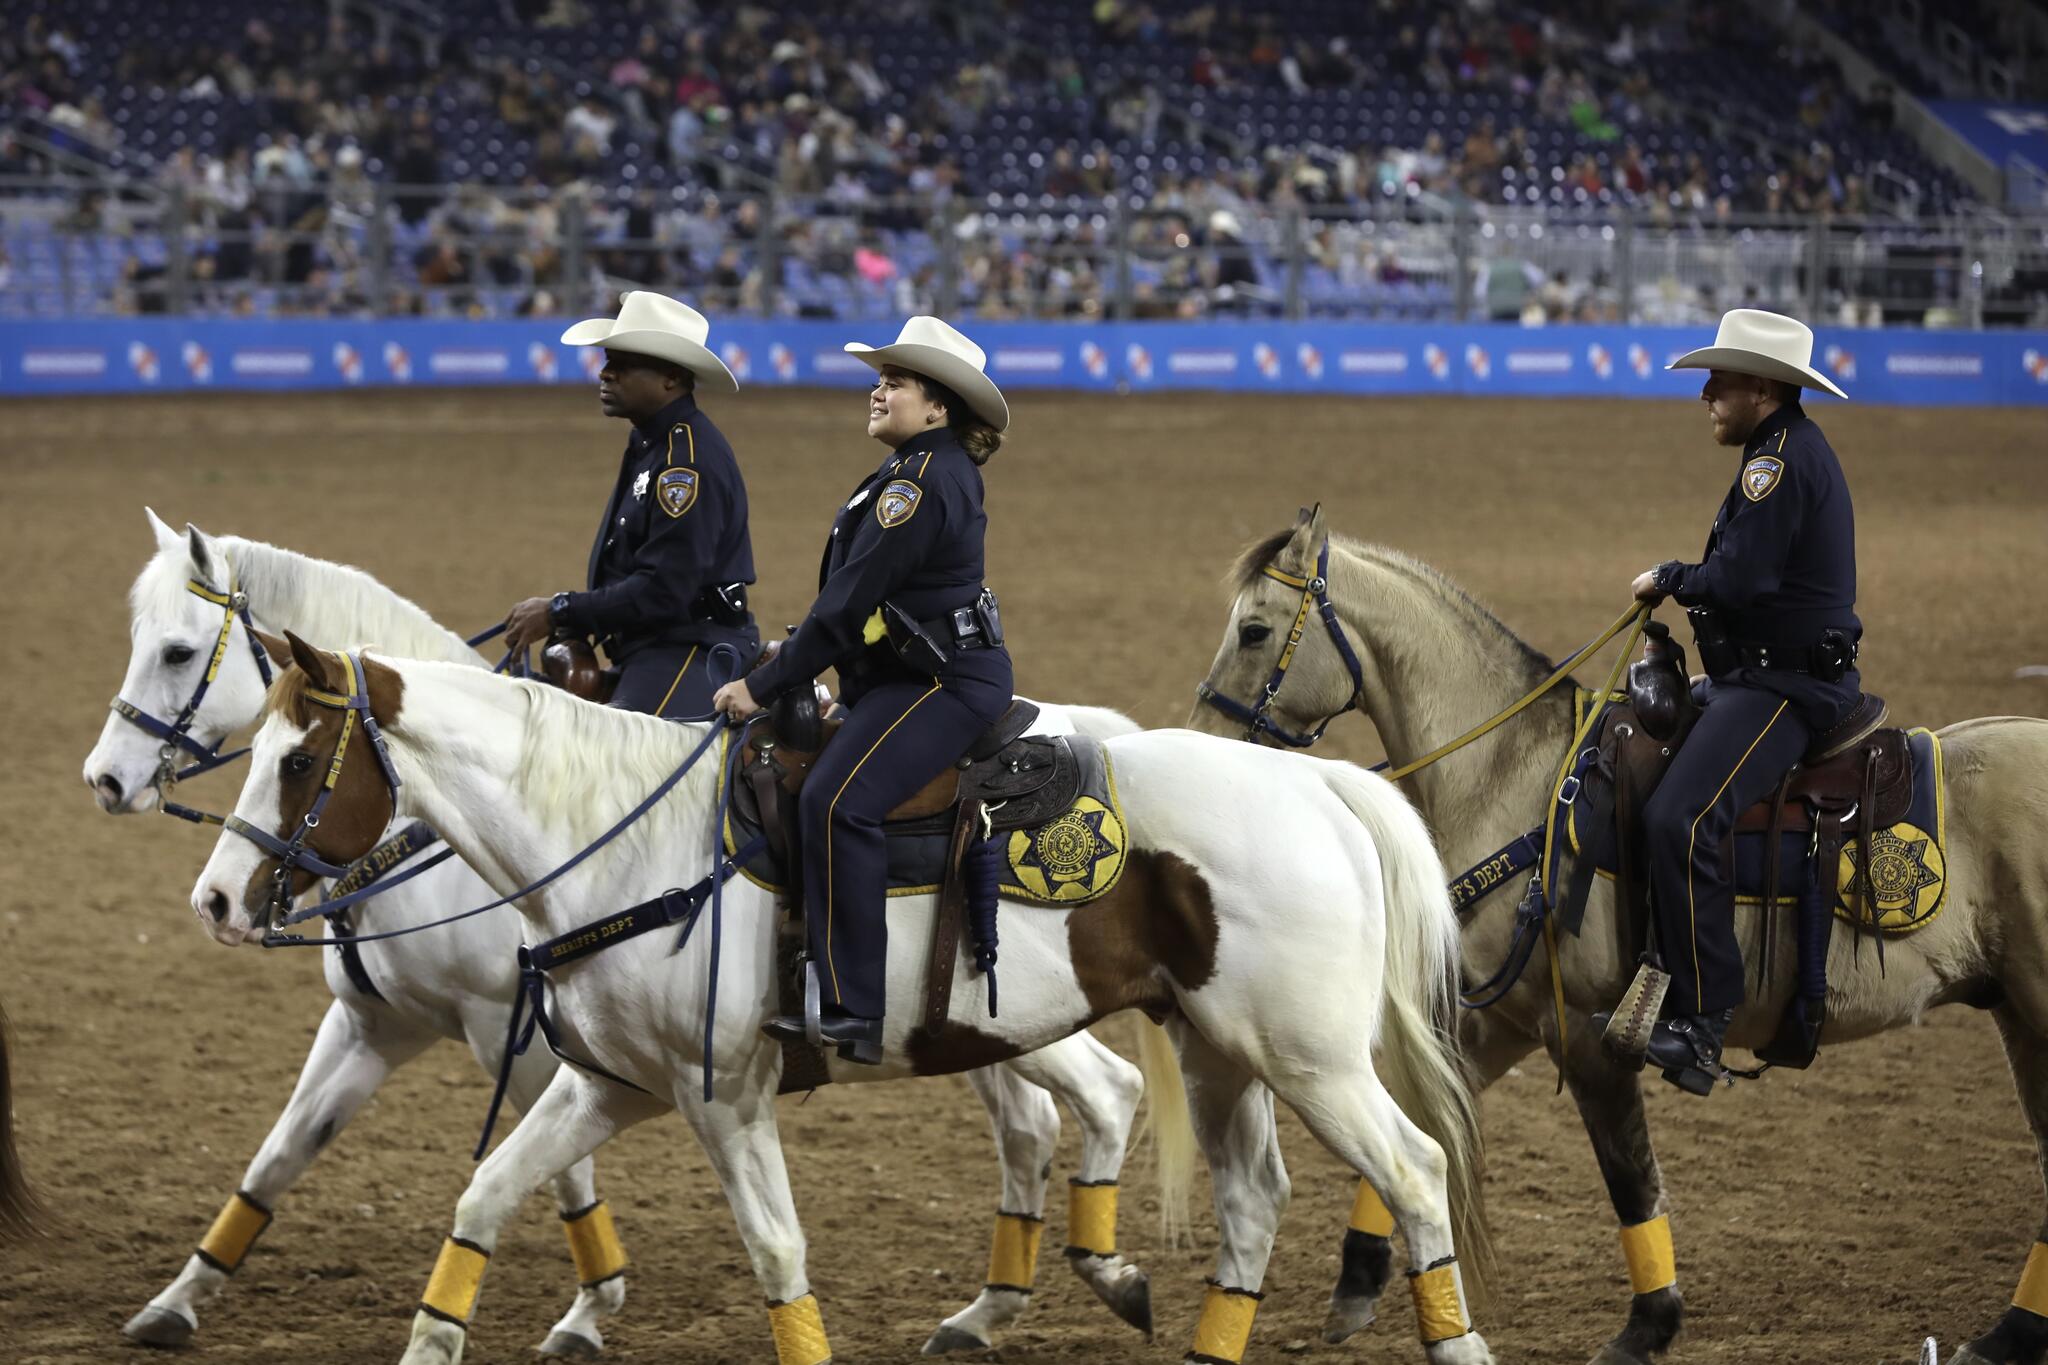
[(347, 247)]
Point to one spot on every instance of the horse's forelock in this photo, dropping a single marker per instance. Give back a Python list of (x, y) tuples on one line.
[(287, 697), (1253, 559)]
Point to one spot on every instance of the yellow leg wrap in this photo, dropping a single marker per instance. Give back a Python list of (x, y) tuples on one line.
[(1225, 1327), (1369, 1214), (1013, 1257), (594, 1242), (458, 1276), (799, 1332), (2032, 1294), (240, 1223), (1651, 1265), (1091, 1218), (1439, 1311)]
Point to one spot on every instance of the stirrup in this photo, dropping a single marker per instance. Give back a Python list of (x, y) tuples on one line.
[(814, 1010), (1627, 1036)]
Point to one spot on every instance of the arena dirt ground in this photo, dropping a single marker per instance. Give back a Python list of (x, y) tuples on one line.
[(1836, 1215)]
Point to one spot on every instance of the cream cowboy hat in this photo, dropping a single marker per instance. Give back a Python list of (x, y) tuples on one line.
[(938, 351), (1767, 345), (656, 325)]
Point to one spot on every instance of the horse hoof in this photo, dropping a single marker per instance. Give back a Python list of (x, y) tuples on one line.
[(1614, 1354), (570, 1346), (1131, 1300), (1348, 1317), (155, 1326), (947, 1340)]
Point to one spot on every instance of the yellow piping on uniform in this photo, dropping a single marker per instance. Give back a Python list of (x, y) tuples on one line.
[(832, 967), (1699, 991), (688, 659)]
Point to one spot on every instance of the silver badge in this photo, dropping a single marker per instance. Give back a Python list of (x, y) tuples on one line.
[(640, 484)]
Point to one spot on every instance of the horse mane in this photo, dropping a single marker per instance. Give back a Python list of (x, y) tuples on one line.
[(330, 604), (1253, 559), (575, 747)]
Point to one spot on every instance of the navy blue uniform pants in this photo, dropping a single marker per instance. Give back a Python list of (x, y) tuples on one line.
[(897, 737), (1743, 744), (671, 681)]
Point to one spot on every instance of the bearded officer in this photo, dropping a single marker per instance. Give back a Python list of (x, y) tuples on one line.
[(672, 560), (1772, 605)]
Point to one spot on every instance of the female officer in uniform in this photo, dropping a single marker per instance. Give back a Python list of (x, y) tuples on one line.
[(671, 563), (902, 612)]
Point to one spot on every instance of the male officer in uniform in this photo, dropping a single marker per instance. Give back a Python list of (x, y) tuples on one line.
[(670, 567), (1773, 612)]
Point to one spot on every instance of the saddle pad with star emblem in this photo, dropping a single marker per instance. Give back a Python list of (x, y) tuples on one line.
[(1908, 863), (1068, 855)]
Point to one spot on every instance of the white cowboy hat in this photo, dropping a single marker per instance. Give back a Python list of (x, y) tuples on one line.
[(656, 325), (1767, 345), (938, 351)]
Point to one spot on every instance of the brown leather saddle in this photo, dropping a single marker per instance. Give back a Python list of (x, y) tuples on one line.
[(1855, 779), (1006, 780)]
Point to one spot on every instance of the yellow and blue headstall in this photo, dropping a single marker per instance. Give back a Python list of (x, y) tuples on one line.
[(1315, 592)]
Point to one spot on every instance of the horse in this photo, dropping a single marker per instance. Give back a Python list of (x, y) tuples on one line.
[(1424, 662), (392, 999), (21, 1214), (1279, 942)]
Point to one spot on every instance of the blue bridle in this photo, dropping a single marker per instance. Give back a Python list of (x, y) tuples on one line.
[(177, 734), (1315, 592)]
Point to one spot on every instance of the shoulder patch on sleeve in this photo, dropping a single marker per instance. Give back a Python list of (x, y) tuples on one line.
[(898, 502), (676, 490), (1760, 476)]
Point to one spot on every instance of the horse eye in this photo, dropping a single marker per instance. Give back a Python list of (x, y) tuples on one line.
[(177, 655), (1253, 634), (297, 764)]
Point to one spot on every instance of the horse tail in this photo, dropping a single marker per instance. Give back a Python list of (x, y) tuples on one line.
[(1171, 1130), (20, 1214), (1417, 1053)]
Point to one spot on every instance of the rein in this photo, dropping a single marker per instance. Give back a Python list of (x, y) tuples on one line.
[(177, 734)]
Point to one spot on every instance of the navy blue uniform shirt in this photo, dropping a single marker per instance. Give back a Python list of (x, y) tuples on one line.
[(1780, 563), (911, 535), (676, 525)]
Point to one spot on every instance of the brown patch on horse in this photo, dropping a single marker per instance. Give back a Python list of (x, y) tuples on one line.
[(1158, 923), (362, 805), (955, 1047)]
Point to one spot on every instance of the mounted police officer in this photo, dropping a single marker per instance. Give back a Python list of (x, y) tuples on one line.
[(672, 560), (1773, 610), (904, 616)]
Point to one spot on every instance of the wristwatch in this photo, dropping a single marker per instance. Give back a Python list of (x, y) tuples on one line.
[(558, 607)]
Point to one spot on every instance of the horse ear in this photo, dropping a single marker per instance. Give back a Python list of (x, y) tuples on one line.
[(1308, 535), (317, 667), (166, 538), (1316, 528), (276, 646), (205, 558)]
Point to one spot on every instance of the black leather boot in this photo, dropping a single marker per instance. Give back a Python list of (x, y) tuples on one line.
[(859, 1040), (1687, 1048)]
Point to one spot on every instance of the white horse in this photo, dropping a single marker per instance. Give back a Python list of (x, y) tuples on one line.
[(1431, 663), (458, 982), (1279, 938)]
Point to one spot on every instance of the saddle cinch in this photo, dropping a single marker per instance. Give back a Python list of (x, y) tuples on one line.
[(1034, 817), (1852, 791)]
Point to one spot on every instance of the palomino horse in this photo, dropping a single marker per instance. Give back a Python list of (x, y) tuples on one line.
[(20, 1214), (1278, 939), (1430, 664), (393, 998)]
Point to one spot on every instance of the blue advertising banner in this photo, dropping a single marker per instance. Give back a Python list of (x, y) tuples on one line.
[(1998, 130), (146, 355)]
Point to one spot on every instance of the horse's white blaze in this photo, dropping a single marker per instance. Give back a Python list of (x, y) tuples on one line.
[(227, 876)]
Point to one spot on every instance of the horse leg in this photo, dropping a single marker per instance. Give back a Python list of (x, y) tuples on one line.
[(1353, 1115), (1103, 1091), (352, 1054), (2021, 1336), (1610, 1100), (1232, 1115), (741, 1141), (1491, 1047), (573, 1117), (594, 1245), (1027, 1128)]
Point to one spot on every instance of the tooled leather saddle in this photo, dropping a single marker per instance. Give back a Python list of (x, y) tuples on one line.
[(1006, 780), (1854, 779)]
